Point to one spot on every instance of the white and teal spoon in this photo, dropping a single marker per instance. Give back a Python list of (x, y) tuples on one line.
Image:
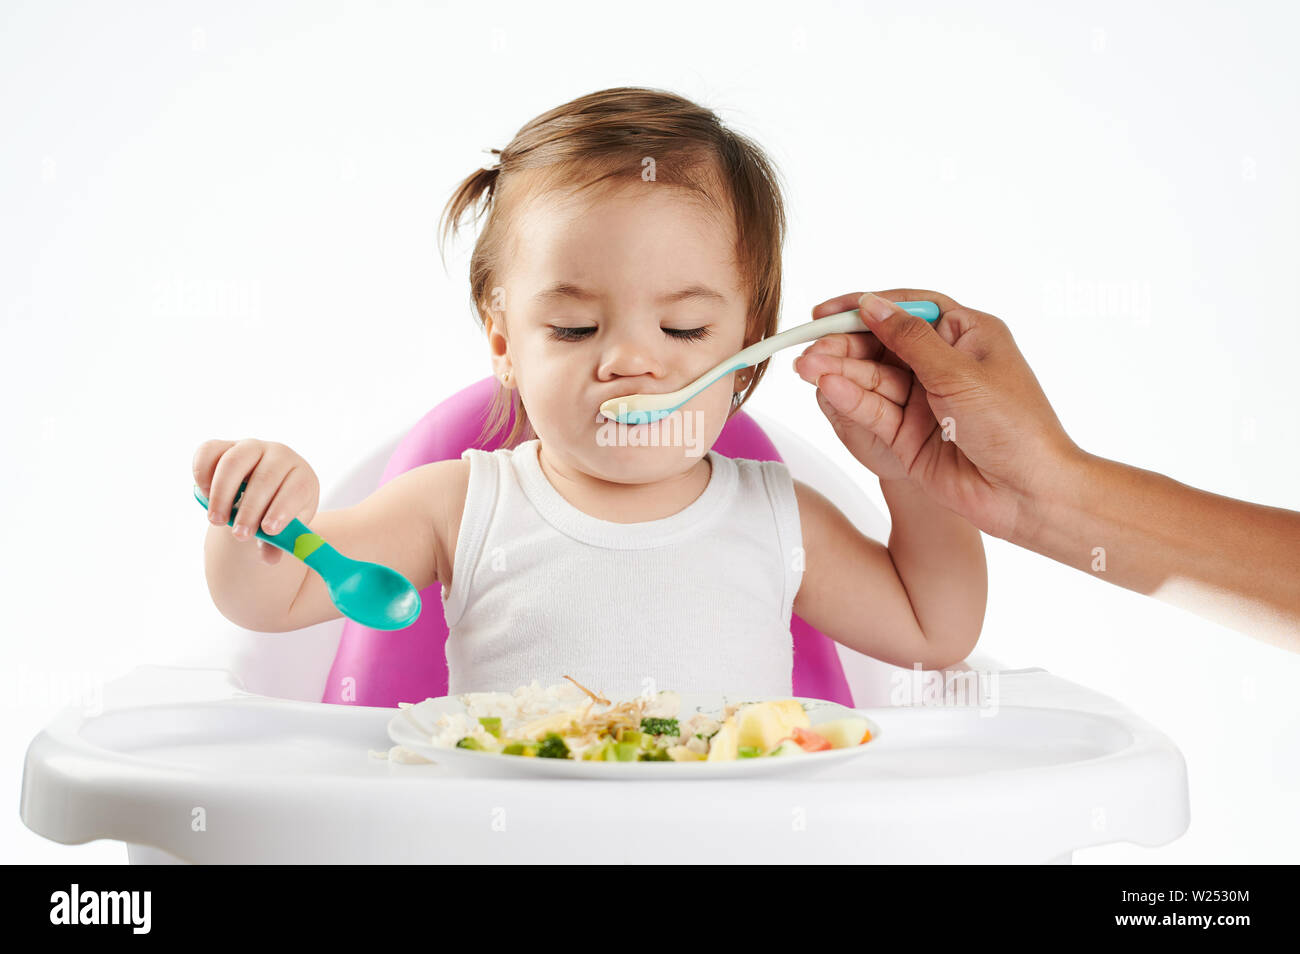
[(645, 408)]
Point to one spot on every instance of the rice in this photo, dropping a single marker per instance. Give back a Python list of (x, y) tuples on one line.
[(515, 709)]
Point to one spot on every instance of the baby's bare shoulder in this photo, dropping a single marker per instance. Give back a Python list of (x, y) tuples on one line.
[(435, 494), (404, 525), (446, 484), (818, 517)]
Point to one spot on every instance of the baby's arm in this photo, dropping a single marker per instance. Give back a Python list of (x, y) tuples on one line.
[(403, 525), (919, 600)]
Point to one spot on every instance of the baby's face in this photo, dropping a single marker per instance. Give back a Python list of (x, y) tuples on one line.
[(615, 294)]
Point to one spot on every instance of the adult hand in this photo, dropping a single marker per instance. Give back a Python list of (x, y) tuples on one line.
[(955, 405), (976, 432)]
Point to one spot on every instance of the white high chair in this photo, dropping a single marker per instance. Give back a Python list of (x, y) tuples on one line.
[(1045, 769)]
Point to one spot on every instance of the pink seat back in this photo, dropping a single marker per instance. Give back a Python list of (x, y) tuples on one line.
[(378, 668)]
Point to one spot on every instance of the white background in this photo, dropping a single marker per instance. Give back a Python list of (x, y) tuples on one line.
[(218, 220)]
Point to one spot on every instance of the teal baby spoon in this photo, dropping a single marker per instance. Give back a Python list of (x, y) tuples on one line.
[(645, 408), (369, 593)]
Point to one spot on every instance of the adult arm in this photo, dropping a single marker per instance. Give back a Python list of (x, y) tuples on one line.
[(979, 435)]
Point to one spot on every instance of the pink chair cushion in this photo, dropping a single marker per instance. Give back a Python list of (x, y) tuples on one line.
[(377, 668)]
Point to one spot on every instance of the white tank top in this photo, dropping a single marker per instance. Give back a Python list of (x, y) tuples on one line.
[(699, 601)]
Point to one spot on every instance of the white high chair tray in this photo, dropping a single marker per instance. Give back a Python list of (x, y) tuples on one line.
[(182, 764)]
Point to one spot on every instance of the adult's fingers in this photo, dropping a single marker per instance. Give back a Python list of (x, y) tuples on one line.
[(853, 344), (879, 415), (849, 344), (945, 303), (955, 319), (892, 382), (939, 367), (833, 306), (950, 324), (849, 300)]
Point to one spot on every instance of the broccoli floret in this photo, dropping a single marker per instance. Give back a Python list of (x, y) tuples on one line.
[(654, 726), (553, 747)]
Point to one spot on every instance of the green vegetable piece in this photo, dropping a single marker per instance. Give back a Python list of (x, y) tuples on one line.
[(469, 742), (520, 748), (624, 752), (656, 726), (659, 754), (748, 752), (632, 735), (492, 724), (553, 747)]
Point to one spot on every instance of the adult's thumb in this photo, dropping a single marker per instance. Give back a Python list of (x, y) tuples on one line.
[(934, 362)]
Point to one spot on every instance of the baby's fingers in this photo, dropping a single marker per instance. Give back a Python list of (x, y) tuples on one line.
[(294, 499), (205, 463), (263, 484), (232, 469)]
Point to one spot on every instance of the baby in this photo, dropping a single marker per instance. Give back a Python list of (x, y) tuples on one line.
[(632, 243)]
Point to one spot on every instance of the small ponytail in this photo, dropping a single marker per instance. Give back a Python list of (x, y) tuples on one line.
[(475, 193)]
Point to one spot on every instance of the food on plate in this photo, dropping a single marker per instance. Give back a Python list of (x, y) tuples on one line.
[(571, 722)]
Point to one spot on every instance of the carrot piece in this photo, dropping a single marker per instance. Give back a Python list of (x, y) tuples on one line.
[(810, 741)]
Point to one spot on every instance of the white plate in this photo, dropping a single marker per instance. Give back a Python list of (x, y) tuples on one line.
[(412, 728)]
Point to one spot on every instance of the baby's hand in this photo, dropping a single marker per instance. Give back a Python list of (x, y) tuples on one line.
[(281, 486), (856, 379)]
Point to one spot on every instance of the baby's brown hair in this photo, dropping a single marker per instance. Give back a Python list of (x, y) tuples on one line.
[(611, 136)]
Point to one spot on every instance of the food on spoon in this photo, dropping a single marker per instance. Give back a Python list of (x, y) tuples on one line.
[(572, 722)]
